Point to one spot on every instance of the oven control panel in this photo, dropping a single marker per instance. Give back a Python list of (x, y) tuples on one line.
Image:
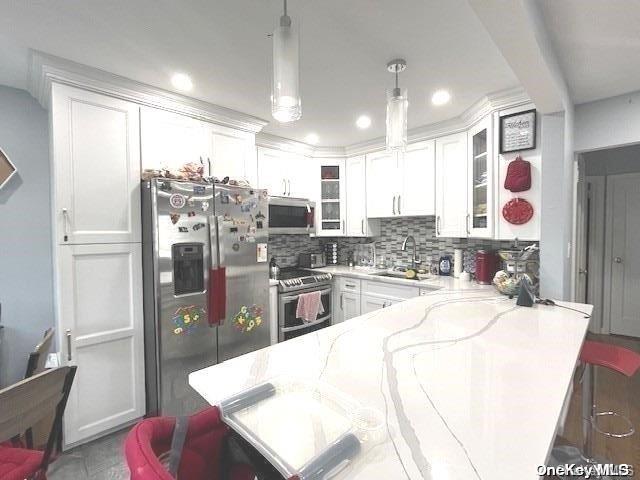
[(292, 283)]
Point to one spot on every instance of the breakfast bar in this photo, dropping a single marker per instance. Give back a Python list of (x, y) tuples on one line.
[(462, 383)]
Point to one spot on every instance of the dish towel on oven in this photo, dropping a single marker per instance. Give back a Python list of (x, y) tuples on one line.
[(309, 307)]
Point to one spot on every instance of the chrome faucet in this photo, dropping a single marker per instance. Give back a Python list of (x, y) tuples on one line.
[(414, 258)]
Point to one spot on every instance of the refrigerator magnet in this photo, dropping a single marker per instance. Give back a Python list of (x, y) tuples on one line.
[(235, 247), (245, 208), (177, 201), (238, 199), (174, 217), (224, 198), (248, 318), (186, 319), (259, 224), (191, 214), (205, 206), (261, 252), (183, 229), (191, 202), (260, 215), (198, 226), (199, 189)]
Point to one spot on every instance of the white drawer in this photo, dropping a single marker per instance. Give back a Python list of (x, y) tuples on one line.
[(348, 284), (389, 290)]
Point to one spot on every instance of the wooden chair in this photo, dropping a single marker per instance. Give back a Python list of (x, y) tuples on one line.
[(38, 357), (39, 433), (24, 404)]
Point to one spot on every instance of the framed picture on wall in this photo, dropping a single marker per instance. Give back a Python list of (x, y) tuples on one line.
[(7, 169), (518, 132)]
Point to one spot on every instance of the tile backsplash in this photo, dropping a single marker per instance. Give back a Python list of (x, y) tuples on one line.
[(392, 232)]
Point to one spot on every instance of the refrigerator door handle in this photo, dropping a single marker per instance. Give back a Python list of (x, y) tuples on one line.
[(217, 296)]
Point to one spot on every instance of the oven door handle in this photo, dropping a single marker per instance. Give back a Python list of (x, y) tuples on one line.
[(306, 325), (294, 297)]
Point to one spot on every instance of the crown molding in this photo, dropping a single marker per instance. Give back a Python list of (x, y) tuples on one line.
[(45, 69), (268, 140), (493, 102)]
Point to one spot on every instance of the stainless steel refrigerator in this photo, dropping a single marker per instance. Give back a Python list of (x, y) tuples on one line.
[(206, 283)]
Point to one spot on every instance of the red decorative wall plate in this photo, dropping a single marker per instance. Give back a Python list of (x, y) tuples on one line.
[(517, 211)]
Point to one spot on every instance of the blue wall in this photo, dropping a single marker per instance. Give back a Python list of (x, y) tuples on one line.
[(26, 272)]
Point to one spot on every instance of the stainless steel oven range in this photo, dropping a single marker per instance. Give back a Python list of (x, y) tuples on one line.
[(293, 283)]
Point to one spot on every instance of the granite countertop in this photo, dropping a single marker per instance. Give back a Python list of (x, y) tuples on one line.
[(430, 282), (467, 384)]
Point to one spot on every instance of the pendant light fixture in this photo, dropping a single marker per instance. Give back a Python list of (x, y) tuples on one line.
[(285, 94), (397, 105)]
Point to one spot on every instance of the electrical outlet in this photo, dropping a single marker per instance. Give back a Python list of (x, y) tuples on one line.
[(53, 361)]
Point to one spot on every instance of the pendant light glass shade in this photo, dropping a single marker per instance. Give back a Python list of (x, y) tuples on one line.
[(286, 105), (397, 106)]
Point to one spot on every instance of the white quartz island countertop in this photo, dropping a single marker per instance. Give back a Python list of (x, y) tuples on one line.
[(467, 384)]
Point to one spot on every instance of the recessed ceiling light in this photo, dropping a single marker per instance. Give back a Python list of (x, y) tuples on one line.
[(312, 139), (182, 81), (440, 97), (363, 122)]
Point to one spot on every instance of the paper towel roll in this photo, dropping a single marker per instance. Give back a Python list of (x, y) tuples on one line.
[(457, 262)]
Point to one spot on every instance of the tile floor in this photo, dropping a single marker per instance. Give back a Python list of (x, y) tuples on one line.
[(102, 459)]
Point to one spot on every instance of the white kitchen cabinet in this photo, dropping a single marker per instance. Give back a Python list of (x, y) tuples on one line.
[(358, 223), (349, 305), (96, 167), (331, 208), (169, 140), (480, 180), (381, 175), (370, 303), (101, 332), (287, 174), (417, 170), (232, 153), (272, 172), (451, 185), (402, 184)]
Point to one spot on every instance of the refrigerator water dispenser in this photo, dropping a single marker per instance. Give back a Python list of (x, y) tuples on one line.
[(188, 268)]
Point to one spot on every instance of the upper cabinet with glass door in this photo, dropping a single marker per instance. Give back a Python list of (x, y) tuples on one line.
[(480, 209), (330, 208)]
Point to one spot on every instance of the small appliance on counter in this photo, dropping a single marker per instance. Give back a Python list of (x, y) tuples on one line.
[(486, 266), (331, 253), (518, 263), (444, 265), (274, 269), (311, 260)]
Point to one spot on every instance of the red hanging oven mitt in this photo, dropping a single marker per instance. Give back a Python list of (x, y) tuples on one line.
[(518, 177)]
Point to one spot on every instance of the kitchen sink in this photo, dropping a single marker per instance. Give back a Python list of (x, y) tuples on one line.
[(393, 274)]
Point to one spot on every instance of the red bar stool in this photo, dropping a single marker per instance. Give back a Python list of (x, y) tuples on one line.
[(613, 357)]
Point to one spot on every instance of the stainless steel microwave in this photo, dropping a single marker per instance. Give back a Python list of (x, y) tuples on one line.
[(291, 215)]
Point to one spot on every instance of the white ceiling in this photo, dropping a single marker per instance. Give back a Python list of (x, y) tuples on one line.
[(598, 45), (223, 45)]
